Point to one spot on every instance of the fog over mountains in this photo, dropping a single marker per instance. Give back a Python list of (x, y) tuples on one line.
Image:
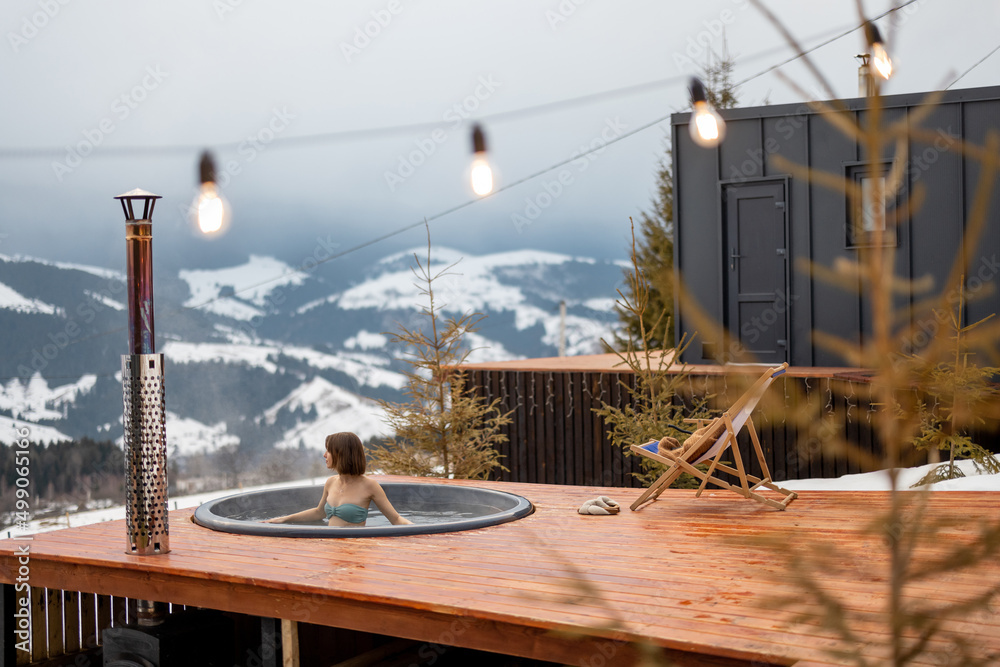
[(264, 355)]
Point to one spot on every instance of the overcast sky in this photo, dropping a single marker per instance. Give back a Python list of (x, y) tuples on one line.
[(246, 76)]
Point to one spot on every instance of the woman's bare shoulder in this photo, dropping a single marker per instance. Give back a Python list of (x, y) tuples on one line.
[(371, 484)]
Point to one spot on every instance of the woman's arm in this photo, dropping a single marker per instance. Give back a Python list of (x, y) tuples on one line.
[(382, 502), (314, 514)]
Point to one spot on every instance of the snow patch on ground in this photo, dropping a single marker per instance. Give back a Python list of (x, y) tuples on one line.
[(600, 305), (469, 287), (231, 308), (185, 436), (336, 410), (98, 271), (583, 336), (483, 350), (442, 256), (234, 335), (35, 400), (10, 299), (367, 369), (366, 340), (105, 300), (316, 303), (188, 436), (208, 284), (179, 352), (879, 480), (10, 430)]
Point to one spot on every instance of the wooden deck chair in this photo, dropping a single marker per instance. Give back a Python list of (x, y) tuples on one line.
[(713, 442)]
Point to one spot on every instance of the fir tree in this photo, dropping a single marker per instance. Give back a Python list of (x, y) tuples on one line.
[(445, 429), (956, 391), (654, 404), (655, 251)]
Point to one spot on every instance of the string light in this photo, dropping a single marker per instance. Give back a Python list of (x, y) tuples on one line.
[(482, 173), (880, 58), (211, 210), (707, 127)]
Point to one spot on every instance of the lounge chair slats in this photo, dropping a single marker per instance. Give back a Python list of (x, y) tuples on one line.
[(719, 438)]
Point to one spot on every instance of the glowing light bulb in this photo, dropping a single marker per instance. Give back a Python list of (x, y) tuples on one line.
[(881, 60), (707, 127), (482, 175), (879, 56), (211, 209)]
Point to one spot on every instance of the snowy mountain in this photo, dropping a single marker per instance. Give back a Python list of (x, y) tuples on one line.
[(264, 354)]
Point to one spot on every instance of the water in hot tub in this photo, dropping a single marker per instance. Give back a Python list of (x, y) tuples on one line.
[(424, 513)]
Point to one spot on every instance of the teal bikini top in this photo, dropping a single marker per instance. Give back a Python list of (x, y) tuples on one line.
[(347, 512)]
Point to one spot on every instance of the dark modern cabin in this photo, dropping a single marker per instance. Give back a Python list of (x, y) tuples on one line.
[(747, 229)]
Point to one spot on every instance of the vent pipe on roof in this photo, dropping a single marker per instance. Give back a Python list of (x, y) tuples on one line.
[(866, 82)]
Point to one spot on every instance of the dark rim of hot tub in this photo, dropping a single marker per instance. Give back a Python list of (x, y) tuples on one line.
[(205, 516)]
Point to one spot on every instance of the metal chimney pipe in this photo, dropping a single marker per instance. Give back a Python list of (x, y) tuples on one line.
[(144, 414), (866, 82)]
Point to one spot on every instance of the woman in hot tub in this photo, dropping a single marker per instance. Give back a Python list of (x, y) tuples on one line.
[(346, 496)]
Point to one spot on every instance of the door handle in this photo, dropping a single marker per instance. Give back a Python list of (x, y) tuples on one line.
[(733, 256)]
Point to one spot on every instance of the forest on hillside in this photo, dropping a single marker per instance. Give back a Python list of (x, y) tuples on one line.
[(74, 472)]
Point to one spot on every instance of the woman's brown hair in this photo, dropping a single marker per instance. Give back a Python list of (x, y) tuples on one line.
[(347, 454)]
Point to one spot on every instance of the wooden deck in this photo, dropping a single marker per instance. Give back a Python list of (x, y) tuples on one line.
[(680, 575)]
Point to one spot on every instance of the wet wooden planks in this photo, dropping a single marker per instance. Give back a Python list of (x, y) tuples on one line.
[(682, 574)]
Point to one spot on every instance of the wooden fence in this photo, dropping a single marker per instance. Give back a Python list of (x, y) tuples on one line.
[(60, 624), (65, 628), (556, 437)]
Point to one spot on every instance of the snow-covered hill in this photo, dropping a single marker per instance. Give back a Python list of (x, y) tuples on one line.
[(264, 354)]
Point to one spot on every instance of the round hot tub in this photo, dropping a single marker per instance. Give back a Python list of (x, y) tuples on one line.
[(433, 508)]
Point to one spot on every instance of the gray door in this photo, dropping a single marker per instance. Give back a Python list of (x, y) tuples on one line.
[(756, 260)]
